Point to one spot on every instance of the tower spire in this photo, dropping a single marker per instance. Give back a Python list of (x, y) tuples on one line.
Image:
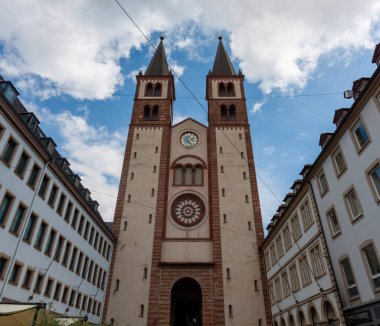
[(222, 64), (158, 65)]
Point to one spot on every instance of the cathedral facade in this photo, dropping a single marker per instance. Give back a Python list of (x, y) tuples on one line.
[(187, 219)]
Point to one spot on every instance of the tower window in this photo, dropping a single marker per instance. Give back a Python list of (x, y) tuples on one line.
[(134, 154), (152, 192), (145, 273), (149, 89), (137, 136), (239, 136), (132, 175), (221, 169), (222, 91), (154, 169), (249, 226), (228, 113), (228, 274), (151, 113), (153, 89), (150, 218), (224, 218), (141, 311), (125, 226), (226, 89), (221, 150), (156, 150), (117, 283), (242, 154), (223, 192), (244, 175), (246, 199), (129, 199), (256, 285), (230, 89)]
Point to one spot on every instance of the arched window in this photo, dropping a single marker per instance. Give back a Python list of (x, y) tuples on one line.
[(221, 89), (146, 112), (154, 115), (228, 113), (232, 113), (301, 319), (151, 113), (149, 89), (230, 89), (188, 176), (157, 89), (198, 179), (178, 180), (223, 112)]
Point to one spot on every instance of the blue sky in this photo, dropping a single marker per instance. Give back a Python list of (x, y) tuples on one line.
[(74, 64)]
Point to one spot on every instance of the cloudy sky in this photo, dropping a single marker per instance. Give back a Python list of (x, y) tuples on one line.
[(74, 63)]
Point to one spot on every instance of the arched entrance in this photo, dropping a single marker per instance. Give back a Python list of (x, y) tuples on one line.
[(186, 303)]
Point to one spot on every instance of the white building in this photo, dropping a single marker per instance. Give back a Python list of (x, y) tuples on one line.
[(64, 247), (300, 281), (346, 182)]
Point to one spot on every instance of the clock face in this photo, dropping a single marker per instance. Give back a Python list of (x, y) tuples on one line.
[(188, 210), (189, 139)]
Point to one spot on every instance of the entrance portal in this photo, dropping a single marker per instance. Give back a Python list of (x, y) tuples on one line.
[(186, 303)]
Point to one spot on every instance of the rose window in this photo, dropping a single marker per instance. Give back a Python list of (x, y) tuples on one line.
[(188, 210)]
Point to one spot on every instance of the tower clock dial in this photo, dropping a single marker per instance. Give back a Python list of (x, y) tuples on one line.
[(189, 139)]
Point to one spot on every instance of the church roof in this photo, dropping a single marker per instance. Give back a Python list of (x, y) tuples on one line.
[(158, 65), (222, 64)]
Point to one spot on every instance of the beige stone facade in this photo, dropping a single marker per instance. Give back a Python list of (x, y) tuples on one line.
[(188, 217)]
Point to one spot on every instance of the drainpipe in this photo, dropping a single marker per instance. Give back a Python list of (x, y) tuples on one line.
[(25, 223)]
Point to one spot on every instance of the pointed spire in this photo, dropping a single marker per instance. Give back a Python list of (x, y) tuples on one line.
[(158, 65), (222, 64)]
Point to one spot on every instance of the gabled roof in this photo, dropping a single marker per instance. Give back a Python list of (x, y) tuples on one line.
[(158, 65), (187, 119), (222, 63)]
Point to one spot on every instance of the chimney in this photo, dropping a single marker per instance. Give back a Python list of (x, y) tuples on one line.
[(358, 86), (339, 115), (376, 55), (324, 139)]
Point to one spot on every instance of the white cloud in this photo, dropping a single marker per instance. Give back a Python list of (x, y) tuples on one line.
[(257, 106), (77, 45), (93, 152), (269, 150), (178, 118)]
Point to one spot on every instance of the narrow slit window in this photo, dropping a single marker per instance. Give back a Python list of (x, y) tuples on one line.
[(150, 218), (132, 175), (145, 275), (141, 311), (154, 169), (228, 272), (125, 226), (221, 169), (129, 199), (223, 192), (246, 199), (224, 218), (244, 176), (152, 192), (221, 150), (249, 226)]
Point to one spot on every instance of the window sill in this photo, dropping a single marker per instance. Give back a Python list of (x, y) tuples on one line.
[(361, 149), (357, 218), (336, 235)]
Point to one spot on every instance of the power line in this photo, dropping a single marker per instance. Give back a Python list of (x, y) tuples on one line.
[(268, 97), (188, 89)]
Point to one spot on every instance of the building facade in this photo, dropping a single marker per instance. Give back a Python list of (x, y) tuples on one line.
[(346, 183), (300, 279), (187, 218), (54, 245)]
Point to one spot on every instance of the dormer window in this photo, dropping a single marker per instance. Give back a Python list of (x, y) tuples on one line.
[(153, 89), (9, 91), (226, 89), (151, 112), (228, 113)]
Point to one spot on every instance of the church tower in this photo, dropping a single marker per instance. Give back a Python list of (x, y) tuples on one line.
[(187, 217)]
